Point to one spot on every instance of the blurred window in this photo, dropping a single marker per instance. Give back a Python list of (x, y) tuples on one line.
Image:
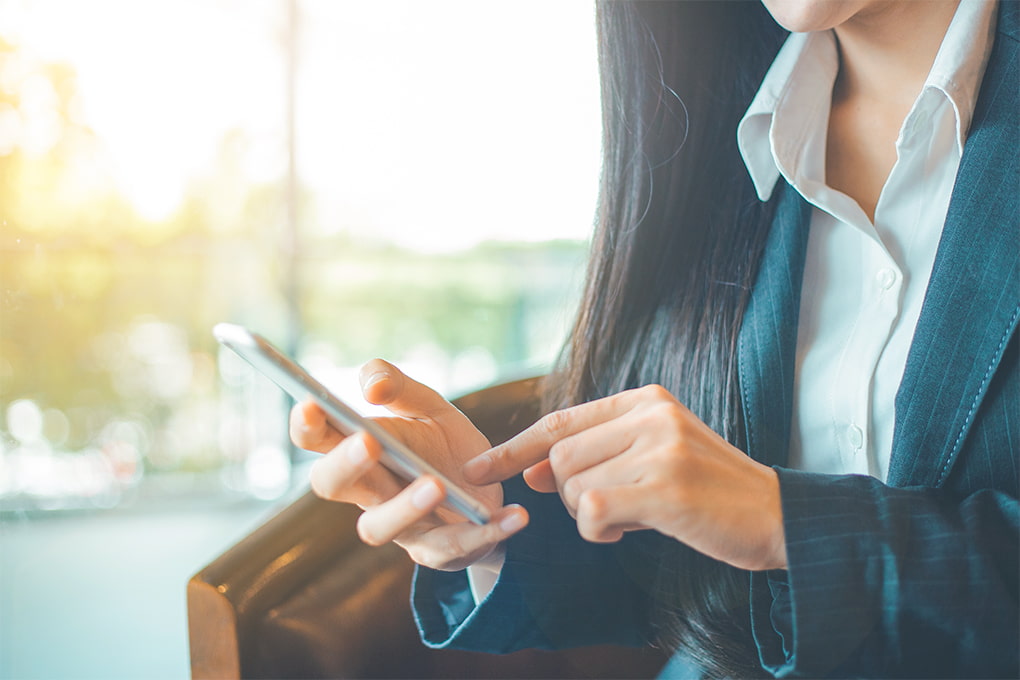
[(405, 179)]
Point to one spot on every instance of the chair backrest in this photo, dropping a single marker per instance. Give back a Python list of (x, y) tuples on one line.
[(303, 597)]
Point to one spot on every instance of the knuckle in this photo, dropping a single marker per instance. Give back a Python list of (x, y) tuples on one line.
[(591, 504), (656, 392), (555, 422), (680, 438), (499, 457), (665, 412), (677, 452), (573, 490), (453, 547), (668, 408), (436, 549), (560, 454), (664, 461), (589, 528)]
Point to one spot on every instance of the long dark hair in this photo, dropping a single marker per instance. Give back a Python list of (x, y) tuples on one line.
[(676, 249)]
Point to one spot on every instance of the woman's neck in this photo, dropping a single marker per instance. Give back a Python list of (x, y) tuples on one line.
[(887, 50), (885, 56)]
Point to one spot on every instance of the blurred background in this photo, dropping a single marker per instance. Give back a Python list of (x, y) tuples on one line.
[(405, 179)]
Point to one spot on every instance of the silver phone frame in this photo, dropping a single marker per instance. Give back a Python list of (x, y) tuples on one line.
[(297, 382)]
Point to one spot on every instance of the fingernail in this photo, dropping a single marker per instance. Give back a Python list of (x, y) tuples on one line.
[(357, 454), (374, 378), (476, 468), (426, 495), (512, 522)]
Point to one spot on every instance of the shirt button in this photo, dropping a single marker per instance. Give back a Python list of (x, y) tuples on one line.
[(856, 437), (886, 278)]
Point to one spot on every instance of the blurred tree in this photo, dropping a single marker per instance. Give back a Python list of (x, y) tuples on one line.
[(105, 315), (80, 270)]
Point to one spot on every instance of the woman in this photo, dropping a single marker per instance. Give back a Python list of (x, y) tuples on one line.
[(796, 362)]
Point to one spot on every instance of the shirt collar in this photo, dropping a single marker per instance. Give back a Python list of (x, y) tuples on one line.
[(961, 60), (793, 98), (777, 122)]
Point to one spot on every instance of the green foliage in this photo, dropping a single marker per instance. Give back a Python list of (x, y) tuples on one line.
[(506, 298), (105, 315)]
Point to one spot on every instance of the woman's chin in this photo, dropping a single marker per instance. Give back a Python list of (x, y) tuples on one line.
[(803, 16)]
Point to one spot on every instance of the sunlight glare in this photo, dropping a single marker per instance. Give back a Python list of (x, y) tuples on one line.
[(436, 125), (162, 83)]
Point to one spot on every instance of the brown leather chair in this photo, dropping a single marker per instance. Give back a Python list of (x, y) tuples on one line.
[(302, 597)]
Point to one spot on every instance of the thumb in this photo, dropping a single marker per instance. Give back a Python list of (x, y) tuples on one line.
[(384, 384)]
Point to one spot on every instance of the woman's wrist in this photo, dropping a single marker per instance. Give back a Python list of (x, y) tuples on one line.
[(775, 554), (483, 574)]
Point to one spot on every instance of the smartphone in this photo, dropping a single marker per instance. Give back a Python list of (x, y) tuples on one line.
[(286, 373)]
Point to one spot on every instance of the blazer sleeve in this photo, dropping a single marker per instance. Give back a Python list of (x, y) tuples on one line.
[(555, 590), (886, 582)]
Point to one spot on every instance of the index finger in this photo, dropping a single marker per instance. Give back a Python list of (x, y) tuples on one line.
[(309, 429), (532, 445)]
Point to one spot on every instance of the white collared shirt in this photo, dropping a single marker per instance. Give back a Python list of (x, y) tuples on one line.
[(864, 282)]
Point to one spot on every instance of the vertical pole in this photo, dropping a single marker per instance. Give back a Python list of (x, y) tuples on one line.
[(291, 236)]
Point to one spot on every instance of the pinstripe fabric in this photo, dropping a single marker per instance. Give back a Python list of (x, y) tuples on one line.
[(768, 336), (555, 590), (975, 287), (916, 581), (918, 577)]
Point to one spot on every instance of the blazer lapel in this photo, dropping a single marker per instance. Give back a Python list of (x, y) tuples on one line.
[(972, 303), (767, 342)]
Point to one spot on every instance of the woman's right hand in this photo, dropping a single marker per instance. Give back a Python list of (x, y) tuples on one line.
[(408, 514)]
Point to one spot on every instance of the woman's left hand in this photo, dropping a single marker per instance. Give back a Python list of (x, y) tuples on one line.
[(640, 460)]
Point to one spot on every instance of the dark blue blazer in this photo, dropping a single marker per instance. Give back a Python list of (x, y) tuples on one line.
[(917, 576)]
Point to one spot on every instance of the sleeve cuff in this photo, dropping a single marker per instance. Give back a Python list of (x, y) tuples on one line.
[(554, 591), (792, 611), (505, 620)]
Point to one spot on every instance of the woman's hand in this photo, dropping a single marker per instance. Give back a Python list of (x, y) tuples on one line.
[(641, 460), (409, 515)]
